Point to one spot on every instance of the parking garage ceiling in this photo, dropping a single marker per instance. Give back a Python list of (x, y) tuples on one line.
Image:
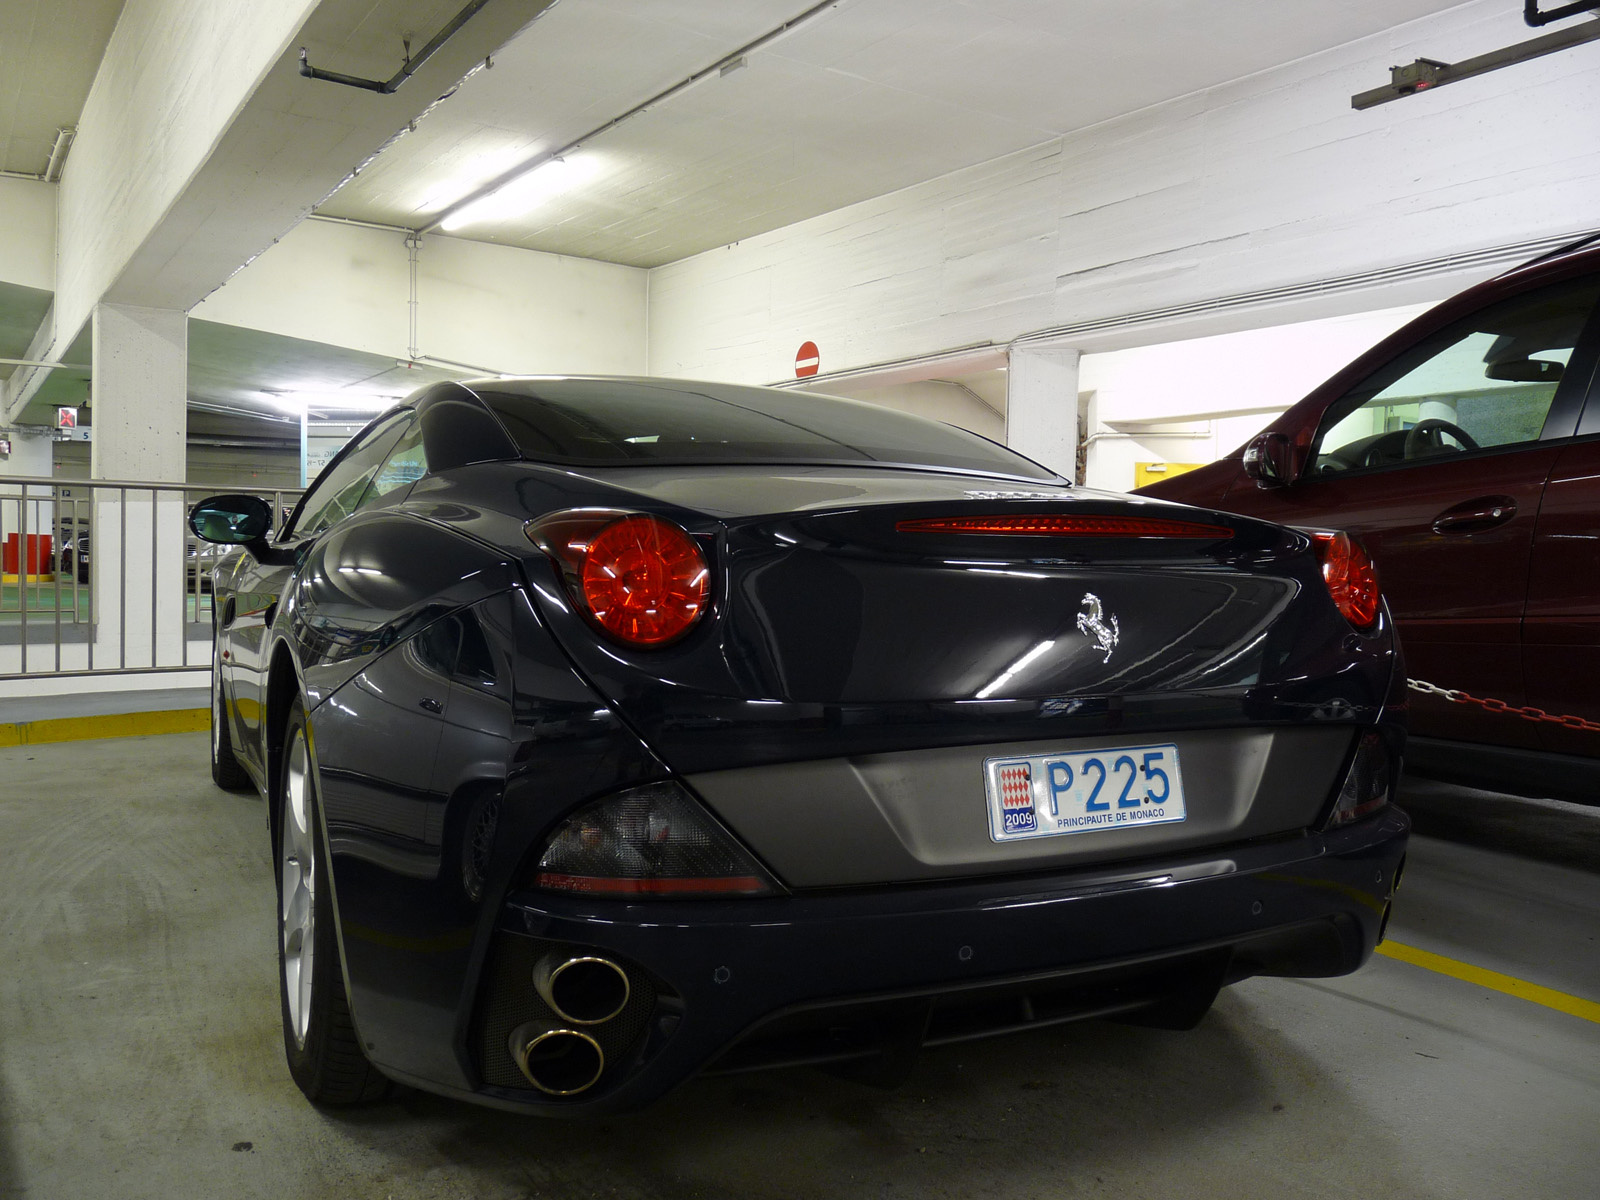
[(867, 97), (860, 99), (49, 52)]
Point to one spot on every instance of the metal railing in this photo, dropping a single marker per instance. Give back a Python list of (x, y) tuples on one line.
[(103, 577)]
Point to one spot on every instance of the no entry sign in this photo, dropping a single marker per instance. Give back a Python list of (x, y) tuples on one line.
[(807, 360)]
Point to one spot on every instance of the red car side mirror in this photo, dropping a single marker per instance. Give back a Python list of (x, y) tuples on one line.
[(1266, 460)]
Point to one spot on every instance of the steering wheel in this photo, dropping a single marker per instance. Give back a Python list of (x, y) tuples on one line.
[(1427, 437)]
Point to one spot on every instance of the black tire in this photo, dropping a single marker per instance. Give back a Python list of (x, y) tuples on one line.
[(225, 769), (319, 1038)]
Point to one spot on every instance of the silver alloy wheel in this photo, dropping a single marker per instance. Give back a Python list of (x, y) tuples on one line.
[(298, 894)]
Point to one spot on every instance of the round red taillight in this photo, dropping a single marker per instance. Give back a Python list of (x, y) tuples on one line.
[(643, 580), (1351, 578)]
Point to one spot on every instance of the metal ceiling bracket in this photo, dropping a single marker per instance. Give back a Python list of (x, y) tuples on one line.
[(1426, 73), (409, 67)]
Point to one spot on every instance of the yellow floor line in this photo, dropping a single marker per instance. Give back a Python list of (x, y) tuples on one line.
[(1574, 1006), (115, 725)]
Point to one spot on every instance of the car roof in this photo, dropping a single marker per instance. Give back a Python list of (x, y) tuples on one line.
[(1578, 254)]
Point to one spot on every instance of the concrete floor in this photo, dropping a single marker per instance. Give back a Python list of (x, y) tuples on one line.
[(140, 1054)]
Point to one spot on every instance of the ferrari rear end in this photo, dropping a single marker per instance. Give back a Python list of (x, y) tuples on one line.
[(940, 762), (759, 729)]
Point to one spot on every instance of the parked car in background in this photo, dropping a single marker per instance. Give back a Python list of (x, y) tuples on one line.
[(200, 559), (1464, 452), (75, 557), (616, 730)]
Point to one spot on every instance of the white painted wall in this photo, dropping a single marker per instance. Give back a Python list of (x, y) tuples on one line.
[(1212, 393), (174, 76), (28, 233), (491, 306), (938, 400), (1263, 182), (236, 467)]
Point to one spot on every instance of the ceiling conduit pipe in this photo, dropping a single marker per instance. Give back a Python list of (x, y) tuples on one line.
[(58, 153), (41, 363), (58, 156), (1532, 16), (387, 87)]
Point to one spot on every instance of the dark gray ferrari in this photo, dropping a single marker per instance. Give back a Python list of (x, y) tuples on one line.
[(618, 730)]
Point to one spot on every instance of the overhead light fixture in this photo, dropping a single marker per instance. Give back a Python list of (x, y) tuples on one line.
[(299, 403), (524, 193), (479, 169)]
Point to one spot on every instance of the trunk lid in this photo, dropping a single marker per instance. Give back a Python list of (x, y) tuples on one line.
[(835, 631)]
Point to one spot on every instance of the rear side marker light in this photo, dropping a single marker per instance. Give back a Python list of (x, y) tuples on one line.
[(638, 578), (1366, 785), (1351, 578), (649, 841), (1064, 526)]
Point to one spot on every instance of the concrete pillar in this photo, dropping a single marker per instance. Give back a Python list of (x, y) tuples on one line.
[(1042, 406), (140, 407), (141, 393)]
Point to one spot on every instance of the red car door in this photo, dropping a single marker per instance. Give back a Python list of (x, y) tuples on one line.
[(1456, 592), (1561, 635), (1439, 460)]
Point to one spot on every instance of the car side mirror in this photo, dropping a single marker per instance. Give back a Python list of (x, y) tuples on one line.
[(231, 520), (239, 520), (1266, 460)]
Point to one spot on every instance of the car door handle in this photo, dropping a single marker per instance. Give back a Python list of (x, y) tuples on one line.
[(1475, 516), (432, 705)]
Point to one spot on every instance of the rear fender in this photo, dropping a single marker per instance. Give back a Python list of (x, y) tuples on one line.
[(373, 582)]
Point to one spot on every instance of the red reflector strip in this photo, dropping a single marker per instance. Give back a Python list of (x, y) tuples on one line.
[(1366, 808), (602, 885), (1062, 526)]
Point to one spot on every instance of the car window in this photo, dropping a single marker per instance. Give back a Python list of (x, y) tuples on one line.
[(407, 463), (475, 662), (436, 646), (1486, 381), (615, 422), (455, 646), (340, 489)]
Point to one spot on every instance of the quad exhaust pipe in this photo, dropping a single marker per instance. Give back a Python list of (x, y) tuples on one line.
[(557, 1061), (557, 1055), (581, 989)]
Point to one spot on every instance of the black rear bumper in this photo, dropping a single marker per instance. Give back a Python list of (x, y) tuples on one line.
[(734, 985)]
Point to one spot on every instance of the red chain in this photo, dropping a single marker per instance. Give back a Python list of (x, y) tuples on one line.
[(1489, 704)]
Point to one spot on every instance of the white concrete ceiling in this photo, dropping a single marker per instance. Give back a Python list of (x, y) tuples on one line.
[(236, 369), (865, 98), (21, 311), (49, 52), (239, 371)]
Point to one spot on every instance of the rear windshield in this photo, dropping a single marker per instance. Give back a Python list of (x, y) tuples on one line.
[(599, 422)]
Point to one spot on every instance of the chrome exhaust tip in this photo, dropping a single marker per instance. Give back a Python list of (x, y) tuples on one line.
[(559, 1062), (581, 989)]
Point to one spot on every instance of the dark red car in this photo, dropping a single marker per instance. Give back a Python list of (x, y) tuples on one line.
[(1464, 451)]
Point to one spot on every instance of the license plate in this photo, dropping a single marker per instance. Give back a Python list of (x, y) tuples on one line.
[(1047, 795)]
